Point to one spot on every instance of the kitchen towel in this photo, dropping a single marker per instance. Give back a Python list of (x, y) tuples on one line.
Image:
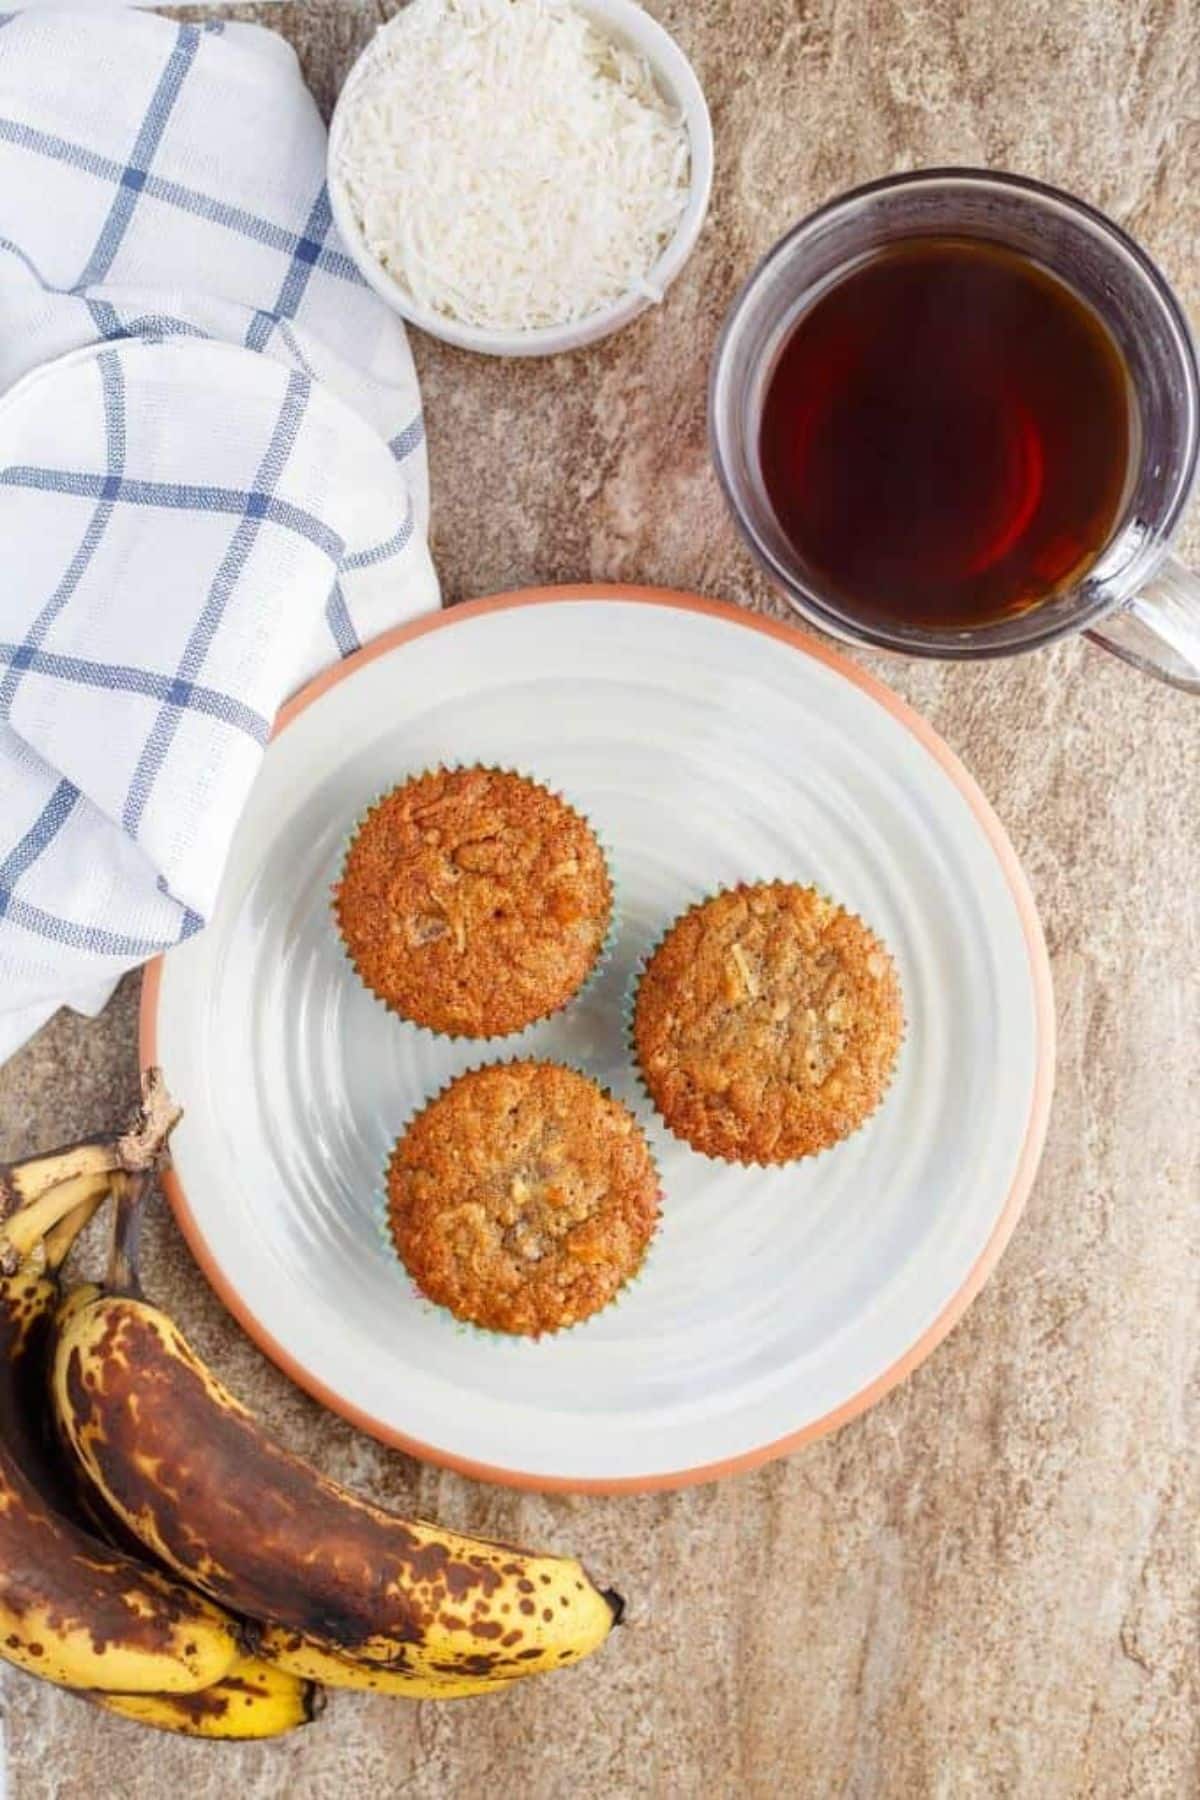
[(212, 473)]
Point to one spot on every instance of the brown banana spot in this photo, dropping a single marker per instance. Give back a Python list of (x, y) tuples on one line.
[(258, 1527), (238, 1684), (401, 1663), (209, 1704), (475, 1664)]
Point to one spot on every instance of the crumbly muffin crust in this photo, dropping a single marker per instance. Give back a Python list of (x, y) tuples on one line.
[(766, 1024), (522, 1197), (474, 901)]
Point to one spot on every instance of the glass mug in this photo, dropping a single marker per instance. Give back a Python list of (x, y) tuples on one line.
[(1135, 598)]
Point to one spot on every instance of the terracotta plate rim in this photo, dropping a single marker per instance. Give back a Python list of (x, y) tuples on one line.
[(1036, 1124)]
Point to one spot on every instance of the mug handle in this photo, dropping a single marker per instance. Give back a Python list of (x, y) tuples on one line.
[(1159, 629)]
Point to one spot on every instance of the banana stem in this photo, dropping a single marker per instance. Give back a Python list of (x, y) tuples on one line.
[(131, 1193), (143, 1145), (61, 1237), (139, 1147), (24, 1182), (37, 1196), (25, 1230)]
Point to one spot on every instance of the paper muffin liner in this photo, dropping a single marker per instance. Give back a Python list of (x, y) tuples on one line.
[(602, 958), (465, 1327), (629, 1003)]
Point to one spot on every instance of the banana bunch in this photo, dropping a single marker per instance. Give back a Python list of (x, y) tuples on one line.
[(74, 1608), (162, 1555)]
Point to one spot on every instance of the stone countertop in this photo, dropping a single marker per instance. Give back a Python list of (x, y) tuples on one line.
[(988, 1585)]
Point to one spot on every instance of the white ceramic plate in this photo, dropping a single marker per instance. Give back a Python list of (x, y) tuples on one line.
[(707, 746)]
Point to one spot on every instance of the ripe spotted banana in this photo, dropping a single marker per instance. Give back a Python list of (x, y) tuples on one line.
[(254, 1700), (305, 1657), (292, 1658), (71, 1609), (189, 1470)]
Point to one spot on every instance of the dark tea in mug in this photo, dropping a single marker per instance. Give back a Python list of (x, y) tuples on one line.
[(945, 435)]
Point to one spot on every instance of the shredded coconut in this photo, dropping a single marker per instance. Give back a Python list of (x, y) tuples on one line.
[(509, 165)]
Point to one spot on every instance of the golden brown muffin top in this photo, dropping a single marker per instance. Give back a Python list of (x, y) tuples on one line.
[(474, 901), (522, 1197), (767, 1023)]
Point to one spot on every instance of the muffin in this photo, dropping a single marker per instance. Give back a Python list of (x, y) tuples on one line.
[(522, 1198), (474, 901), (766, 1024)]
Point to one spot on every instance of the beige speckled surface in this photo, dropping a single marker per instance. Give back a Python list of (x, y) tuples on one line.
[(989, 1585)]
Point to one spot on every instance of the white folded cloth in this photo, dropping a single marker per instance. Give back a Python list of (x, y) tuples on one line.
[(212, 473)]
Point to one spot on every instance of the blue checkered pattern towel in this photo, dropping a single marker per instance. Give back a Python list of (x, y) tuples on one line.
[(212, 473)]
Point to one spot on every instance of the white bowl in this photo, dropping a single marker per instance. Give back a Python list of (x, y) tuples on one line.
[(676, 79)]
